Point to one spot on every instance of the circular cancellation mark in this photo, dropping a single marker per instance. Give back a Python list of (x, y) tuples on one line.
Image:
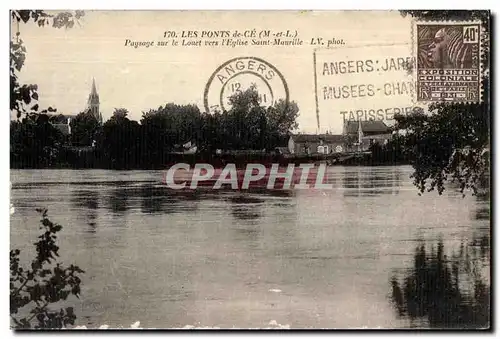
[(237, 75)]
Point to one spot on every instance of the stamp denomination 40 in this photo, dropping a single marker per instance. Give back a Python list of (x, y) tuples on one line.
[(448, 61)]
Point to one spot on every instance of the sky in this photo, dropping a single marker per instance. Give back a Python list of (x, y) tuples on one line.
[(63, 62)]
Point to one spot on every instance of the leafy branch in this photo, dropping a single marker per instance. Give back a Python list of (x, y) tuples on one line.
[(23, 98), (33, 290)]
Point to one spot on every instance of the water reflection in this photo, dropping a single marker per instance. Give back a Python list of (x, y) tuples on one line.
[(118, 201), (86, 202), (483, 206), (156, 200), (249, 205), (151, 199), (482, 213), (371, 182), (483, 245), (449, 292), (245, 207)]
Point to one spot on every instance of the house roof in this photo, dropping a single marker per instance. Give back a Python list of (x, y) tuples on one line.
[(283, 150), (63, 128), (371, 126), (378, 137), (60, 118), (328, 138)]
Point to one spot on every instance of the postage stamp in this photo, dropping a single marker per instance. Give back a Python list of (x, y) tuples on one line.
[(448, 55), (237, 75)]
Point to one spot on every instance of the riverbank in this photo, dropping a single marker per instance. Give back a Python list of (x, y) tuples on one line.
[(93, 159)]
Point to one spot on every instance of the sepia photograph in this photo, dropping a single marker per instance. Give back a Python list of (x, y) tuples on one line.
[(250, 169)]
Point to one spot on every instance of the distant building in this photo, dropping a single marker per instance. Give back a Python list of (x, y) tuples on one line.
[(62, 123), (375, 127), (65, 129), (282, 150), (356, 136), (360, 135), (302, 144), (187, 148)]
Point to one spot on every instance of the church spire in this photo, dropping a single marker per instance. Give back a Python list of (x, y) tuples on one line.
[(93, 102), (94, 90)]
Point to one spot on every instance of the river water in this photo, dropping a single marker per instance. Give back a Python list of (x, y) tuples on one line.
[(304, 258)]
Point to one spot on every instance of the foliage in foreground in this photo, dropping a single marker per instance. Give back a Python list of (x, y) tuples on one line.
[(35, 291), (24, 97), (451, 144)]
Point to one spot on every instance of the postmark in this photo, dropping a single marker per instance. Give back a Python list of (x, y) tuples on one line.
[(448, 55), (237, 75)]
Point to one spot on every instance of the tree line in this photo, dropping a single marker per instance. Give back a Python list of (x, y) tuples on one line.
[(149, 143)]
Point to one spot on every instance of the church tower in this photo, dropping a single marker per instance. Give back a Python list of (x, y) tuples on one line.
[(93, 103)]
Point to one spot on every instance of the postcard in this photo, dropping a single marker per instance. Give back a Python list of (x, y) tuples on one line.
[(250, 169)]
